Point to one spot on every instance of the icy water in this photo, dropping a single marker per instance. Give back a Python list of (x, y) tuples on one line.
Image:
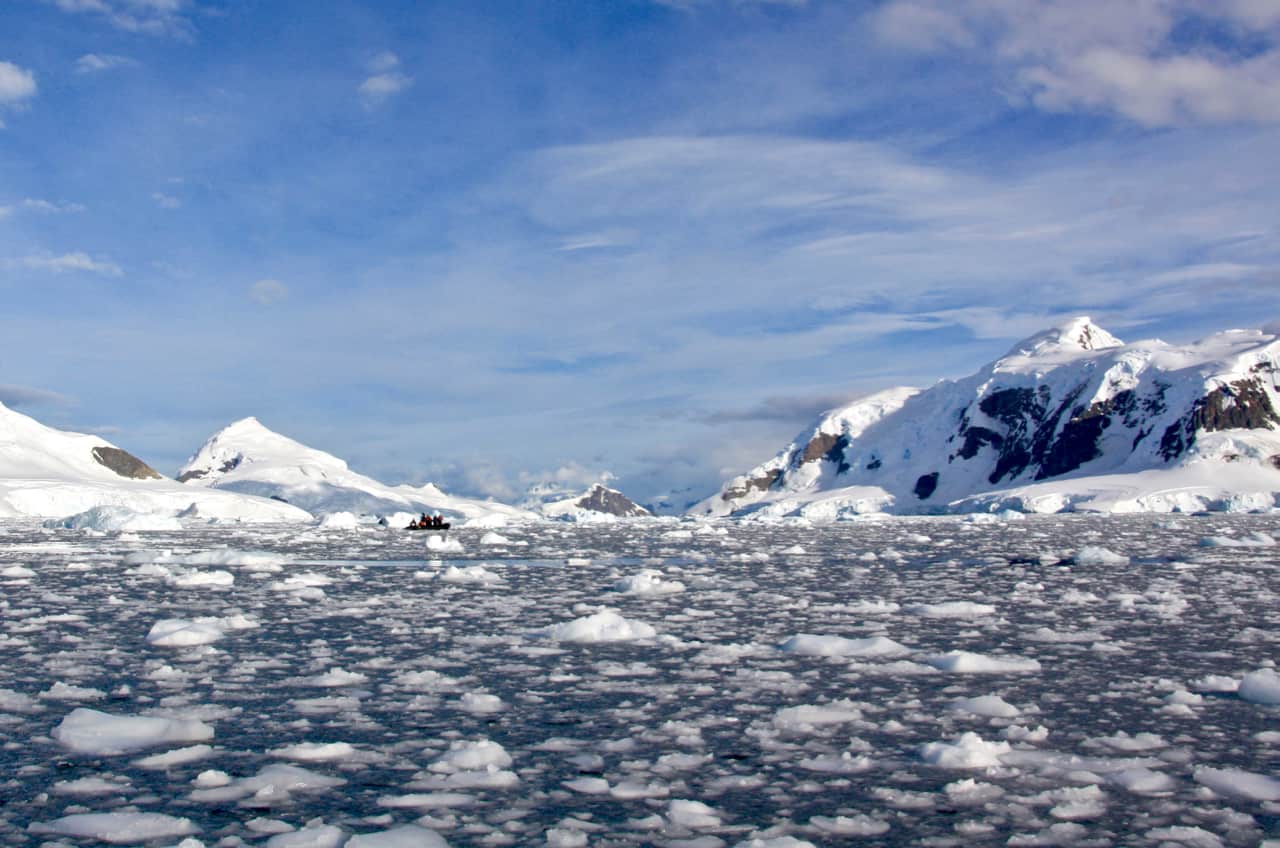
[(1045, 681)]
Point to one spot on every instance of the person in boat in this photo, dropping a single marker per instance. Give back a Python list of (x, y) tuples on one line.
[(437, 520)]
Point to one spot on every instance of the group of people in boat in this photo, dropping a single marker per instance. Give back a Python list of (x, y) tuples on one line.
[(428, 522)]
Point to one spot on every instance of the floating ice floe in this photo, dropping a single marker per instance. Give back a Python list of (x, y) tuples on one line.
[(1097, 555), (952, 609), (117, 828), (965, 662), (88, 731), (403, 836), (473, 574), (970, 751), (648, 582), (987, 706), (438, 542), (604, 626), (183, 633), (339, 521), (1235, 783), (316, 752), (272, 785), (1260, 687), (815, 645)]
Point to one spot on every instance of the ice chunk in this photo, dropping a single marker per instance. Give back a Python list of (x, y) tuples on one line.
[(1260, 687), (814, 645), (183, 633), (967, 752), (87, 731), (315, 751), (1097, 555), (648, 582), (952, 609), (989, 706), (605, 626), (314, 835), (117, 828), (117, 519), (692, 814), (964, 662), (404, 836), (1239, 784)]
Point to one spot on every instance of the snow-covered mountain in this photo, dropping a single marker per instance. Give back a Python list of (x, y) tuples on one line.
[(597, 502), (50, 473), (1071, 418), (248, 457)]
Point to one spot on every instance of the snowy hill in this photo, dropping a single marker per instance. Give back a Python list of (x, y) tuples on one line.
[(596, 503), (51, 473), (248, 457), (1069, 419)]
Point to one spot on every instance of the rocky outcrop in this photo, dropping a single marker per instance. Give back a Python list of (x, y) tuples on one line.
[(1243, 404), (610, 502), (754, 484), (197, 473), (124, 463)]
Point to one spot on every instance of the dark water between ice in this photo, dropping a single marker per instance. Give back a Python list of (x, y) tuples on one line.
[(1109, 745)]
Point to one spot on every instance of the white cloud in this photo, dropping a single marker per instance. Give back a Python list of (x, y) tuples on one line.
[(17, 396), (17, 85), (93, 63), (48, 207), (1120, 58), (72, 262), (152, 17), (165, 201), (380, 87), (267, 292)]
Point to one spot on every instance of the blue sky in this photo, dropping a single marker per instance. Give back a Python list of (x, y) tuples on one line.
[(491, 243)]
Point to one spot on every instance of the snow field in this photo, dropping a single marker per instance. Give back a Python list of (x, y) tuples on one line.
[(793, 693)]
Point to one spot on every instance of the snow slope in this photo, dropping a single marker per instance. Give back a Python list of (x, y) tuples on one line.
[(1069, 419), (248, 457), (51, 473)]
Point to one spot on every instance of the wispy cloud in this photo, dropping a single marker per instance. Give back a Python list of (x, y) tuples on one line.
[(49, 207), (152, 17), (77, 262), (267, 292), (16, 396), (96, 63), (385, 81)]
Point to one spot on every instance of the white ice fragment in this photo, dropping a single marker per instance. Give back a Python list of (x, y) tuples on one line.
[(334, 677), (1260, 687), (196, 578), (117, 828), (692, 814), (808, 644), (858, 825), (481, 703), (17, 571), (314, 835), (648, 582), (604, 626), (1239, 784), (437, 542), (965, 662), (588, 785), (87, 731), (1097, 555), (475, 574), (952, 609), (988, 706), (1189, 835), (340, 521), (968, 752), (404, 836), (176, 757), (492, 538), (315, 752), (1141, 780), (183, 633), (471, 756)]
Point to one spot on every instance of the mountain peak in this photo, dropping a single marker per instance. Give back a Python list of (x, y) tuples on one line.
[(1074, 335)]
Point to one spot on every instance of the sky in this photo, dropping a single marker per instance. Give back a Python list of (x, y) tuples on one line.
[(490, 244)]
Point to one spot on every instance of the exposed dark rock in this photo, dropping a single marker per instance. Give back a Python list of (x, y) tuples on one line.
[(278, 498), (926, 484), (755, 484), (873, 464), (826, 446), (124, 463), (976, 437), (1274, 459), (600, 499), (1242, 405), (196, 474)]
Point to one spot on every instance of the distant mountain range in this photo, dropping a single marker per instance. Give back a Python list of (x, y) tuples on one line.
[(1069, 419)]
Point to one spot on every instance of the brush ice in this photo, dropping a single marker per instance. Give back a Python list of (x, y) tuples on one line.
[(88, 731), (1240, 784), (404, 836), (604, 626), (181, 633)]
